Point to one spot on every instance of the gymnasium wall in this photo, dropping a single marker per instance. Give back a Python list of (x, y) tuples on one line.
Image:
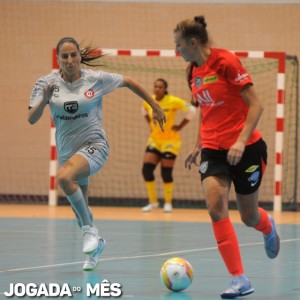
[(29, 29)]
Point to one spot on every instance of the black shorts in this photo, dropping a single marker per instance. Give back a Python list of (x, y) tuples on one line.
[(165, 155), (246, 175)]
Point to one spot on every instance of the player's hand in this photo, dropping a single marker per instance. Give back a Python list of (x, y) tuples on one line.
[(176, 128), (48, 92), (235, 153), (192, 158), (159, 117)]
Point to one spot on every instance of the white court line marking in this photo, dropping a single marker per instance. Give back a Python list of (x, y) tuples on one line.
[(139, 256)]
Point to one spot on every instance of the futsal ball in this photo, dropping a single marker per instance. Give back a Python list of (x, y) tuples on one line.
[(176, 274)]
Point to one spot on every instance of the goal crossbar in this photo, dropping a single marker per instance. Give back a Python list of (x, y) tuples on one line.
[(279, 133)]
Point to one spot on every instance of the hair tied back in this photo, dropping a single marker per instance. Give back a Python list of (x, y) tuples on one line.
[(200, 20)]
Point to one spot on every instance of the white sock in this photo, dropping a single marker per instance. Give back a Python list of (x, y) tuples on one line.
[(79, 205)]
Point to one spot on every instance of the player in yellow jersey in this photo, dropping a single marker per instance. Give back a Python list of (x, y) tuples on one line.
[(163, 146)]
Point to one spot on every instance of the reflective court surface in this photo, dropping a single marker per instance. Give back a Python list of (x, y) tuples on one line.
[(42, 246)]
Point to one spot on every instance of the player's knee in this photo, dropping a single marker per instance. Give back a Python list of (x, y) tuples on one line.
[(148, 171), (250, 220), (166, 174), (62, 178), (216, 213)]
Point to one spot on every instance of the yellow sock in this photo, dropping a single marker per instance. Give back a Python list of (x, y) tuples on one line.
[(168, 191), (151, 190)]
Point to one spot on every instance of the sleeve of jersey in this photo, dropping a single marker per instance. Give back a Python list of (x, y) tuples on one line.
[(189, 109), (38, 91), (235, 72), (111, 81), (180, 104)]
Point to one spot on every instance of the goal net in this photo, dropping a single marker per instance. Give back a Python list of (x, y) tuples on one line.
[(120, 182)]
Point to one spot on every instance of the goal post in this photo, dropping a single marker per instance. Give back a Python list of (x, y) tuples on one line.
[(122, 173), (279, 133), (52, 195)]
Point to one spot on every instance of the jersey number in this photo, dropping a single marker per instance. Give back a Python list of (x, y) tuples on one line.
[(90, 149)]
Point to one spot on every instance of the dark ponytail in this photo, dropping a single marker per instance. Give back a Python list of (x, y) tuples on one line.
[(89, 54), (200, 20)]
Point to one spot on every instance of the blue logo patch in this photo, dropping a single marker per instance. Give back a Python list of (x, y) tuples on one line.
[(198, 81), (254, 176)]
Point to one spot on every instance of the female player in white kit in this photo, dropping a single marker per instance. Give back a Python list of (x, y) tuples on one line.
[(74, 96)]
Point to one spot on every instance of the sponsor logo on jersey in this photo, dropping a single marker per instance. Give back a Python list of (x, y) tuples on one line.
[(204, 97), (198, 81), (210, 79), (89, 93), (72, 118), (71, 107), (240, 77)]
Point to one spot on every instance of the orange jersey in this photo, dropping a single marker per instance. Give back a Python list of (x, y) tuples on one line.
[(216, 86)]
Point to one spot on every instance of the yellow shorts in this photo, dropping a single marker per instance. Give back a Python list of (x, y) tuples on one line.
[(164, 146)]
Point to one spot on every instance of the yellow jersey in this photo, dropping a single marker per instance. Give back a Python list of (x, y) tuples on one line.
[(170, 105)]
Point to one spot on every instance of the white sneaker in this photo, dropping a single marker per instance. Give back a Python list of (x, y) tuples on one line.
[(90, 239), (272, 241), (168, 207), (92, 259), (239, 286), (150, 206)]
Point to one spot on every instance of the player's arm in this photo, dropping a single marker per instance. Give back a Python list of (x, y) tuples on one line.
[(255, 110), (158, 113), (192, 156), (37, 110)]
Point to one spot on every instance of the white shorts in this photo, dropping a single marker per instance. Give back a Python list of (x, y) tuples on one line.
[(96, 153)]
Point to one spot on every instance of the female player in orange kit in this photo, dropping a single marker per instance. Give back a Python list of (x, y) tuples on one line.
[(231, 148)]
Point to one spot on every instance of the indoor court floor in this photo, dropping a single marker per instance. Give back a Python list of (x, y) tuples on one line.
[(42, 245)]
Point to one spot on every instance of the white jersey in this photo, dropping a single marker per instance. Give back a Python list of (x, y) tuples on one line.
[(76, 107)]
